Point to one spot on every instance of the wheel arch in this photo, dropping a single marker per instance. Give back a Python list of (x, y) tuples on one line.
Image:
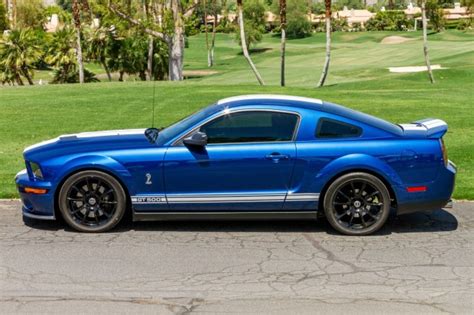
[(89, 167), (393, 196)]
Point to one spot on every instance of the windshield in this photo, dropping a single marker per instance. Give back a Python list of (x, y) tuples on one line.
[(181, 126)]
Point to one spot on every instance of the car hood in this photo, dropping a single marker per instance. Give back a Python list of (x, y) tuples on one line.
[(88, 142)]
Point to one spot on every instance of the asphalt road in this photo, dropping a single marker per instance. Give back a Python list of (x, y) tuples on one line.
[(420, 263)]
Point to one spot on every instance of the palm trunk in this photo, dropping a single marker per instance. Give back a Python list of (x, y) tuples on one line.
[(213, 39), (244, 44), (28, 77), (206, 31), (106, 68), (425, 42), (77, 24), (18, 79), (325, 72), (176, 44), (149, 64), (283, 40)]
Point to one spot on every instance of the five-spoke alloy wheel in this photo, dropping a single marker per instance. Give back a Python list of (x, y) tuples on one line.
[(92, 201), (357, 204)]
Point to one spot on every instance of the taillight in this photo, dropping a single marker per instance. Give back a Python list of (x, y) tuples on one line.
[(444, 151)]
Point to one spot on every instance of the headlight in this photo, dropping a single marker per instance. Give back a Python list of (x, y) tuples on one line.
[(36, 170)]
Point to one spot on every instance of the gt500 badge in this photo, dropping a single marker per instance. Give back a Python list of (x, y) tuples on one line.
[(148, 199)]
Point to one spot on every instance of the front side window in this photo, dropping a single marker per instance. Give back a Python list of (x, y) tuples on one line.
[(329, 128), (251, 126)]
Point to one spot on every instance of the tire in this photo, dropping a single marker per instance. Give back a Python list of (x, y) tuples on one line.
[(357, 204), (92, 201)]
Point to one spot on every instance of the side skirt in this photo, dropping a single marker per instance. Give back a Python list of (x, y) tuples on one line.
[(237, 215)]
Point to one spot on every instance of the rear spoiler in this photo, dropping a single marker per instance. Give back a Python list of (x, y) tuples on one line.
[(429, 128)]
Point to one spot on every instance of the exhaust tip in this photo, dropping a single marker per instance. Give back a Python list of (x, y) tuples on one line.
[(449, 204)]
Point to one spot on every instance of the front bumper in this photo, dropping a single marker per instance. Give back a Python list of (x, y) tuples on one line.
[(35, 206)]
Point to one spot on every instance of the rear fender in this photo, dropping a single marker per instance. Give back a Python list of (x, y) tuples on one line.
[(358, 162)]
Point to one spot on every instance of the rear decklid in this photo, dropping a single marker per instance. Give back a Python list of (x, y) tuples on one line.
[(428, 128)]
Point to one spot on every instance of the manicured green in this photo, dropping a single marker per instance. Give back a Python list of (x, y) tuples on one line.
[(358, 79)]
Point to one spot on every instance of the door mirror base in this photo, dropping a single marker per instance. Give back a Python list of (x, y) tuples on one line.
[(198, 139)]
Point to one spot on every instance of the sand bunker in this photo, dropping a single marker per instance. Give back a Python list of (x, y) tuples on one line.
[(390, 40), (414, 69), (199, 73)]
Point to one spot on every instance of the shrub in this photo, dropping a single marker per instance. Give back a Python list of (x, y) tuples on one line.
[(389, 21), (72, 77), (464, 24), (298, 28)]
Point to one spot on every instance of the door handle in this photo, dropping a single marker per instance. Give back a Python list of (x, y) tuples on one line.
[(275, 156)]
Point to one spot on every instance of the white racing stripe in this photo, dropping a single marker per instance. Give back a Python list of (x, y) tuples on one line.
[(269, 97), (223, 198)]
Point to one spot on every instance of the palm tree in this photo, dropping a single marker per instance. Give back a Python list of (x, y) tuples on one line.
[(425, 41), (283, 40), (61, 53), (19, 51), (324, 74), (98, 44), (244, 44)]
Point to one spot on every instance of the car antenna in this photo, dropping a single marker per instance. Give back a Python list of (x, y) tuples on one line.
[(153, 105), (152, 133)]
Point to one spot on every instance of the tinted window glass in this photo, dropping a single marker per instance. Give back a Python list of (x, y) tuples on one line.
[(328, 128), (255, 126)]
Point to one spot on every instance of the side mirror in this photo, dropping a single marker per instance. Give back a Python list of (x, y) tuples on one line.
[(198, 139), (152, 134)]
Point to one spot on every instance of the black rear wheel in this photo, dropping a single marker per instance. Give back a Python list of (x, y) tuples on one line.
[(92, 201), (357, 204)]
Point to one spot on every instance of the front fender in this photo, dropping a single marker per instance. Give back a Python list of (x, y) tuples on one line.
[(97, 162), (358, 162)]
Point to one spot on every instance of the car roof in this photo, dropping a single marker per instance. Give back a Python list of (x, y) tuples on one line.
[(312, 104)]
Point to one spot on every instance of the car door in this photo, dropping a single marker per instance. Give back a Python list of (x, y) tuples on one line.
[(246, 165)]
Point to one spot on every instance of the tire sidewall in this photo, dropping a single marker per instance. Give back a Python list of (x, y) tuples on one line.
[(337, 184), (114, 183)]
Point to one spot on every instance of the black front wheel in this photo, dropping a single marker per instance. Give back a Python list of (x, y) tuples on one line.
[(357, 204), (92, 201)]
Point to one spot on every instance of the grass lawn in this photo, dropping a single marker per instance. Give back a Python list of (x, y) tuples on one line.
[(358, 78)]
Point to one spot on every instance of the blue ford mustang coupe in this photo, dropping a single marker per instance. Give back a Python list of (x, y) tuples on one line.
[(255, 156)]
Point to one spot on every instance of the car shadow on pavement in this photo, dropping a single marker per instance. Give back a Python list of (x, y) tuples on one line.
[(435, 221)]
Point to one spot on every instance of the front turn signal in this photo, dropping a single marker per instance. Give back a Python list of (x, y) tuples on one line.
[(36, 191)]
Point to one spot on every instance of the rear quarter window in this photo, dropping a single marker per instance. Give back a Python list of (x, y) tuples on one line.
[(330, 128)]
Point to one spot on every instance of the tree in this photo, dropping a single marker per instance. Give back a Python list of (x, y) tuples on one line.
[(210, 8), (128, 54), (328, 44), (19, 51), (3, 18), (174, 39), (283, 40), (29, 14), (425, 41), (435, 15), (298, 25), (254, 22), (244, 44)]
